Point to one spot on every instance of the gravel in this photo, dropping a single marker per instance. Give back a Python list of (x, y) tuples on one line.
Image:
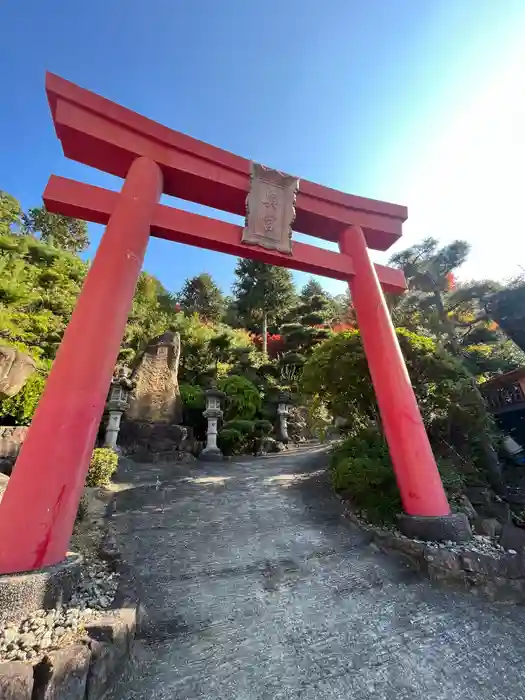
[(479, 544), (45, 630)]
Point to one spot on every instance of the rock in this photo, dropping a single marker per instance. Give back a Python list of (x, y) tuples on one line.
[(467, 508), (109, 548), (185, 458), (512, 537), (442, 559), (478, 563), (512, 566), (4, 481), (156, 396), (478, 495), (10, 634), (105, 667), (497, 509), (15, 369), (298, 428), (145, 439), (62, 674), (46, 640), (7, 464), (271, 445), (516, 496), (488, 526), (16, 681), (110, 649), (27, 640)]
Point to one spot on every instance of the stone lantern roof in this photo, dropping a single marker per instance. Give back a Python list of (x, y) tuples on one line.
[(213, 392)]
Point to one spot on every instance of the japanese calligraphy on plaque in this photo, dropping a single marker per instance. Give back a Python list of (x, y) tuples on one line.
[(270, 209)]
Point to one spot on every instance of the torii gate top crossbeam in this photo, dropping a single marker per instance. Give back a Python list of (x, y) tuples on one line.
[(107, 136)]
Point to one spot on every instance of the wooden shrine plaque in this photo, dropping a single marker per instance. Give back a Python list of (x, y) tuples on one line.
[(270, 209)]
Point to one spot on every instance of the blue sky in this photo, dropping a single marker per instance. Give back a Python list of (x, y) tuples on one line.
[(420, 102)]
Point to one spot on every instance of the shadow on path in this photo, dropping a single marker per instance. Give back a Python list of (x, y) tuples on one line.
[(255, 587)]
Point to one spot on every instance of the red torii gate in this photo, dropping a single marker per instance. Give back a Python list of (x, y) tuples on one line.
[(39, 506)]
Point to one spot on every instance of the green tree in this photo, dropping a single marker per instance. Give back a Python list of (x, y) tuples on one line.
[(151, 313), (453, 411), (311, 289), (332, 309), (264, 293), (39, 285), (56, 229), (343, 309), (221, 348), (201, 295), (453, 313), (507, 308), (428, 269), (10, 213)]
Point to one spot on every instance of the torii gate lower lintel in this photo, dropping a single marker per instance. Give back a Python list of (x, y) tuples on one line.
[(40, 504)]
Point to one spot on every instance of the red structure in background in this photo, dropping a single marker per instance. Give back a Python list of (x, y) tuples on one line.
[(39, 506)]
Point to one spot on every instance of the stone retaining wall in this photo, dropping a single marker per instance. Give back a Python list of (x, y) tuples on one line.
[(493, 573), (87, 669)]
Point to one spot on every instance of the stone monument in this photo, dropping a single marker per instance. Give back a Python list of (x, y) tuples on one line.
[(151, 425), (156, 396), (15, 369)]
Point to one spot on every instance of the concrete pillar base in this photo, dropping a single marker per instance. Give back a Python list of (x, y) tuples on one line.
[(211, 454), (25, 592), (454, 527)]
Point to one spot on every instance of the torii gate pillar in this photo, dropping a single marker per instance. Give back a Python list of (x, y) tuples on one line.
[(38, 510)]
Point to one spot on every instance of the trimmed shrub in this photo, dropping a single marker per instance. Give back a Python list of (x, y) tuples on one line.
[(360, 467), (193, 405), (247, 432), (242, 397), (192, 396), (244, 427), (262, 428), (103, 465), (229, 441)]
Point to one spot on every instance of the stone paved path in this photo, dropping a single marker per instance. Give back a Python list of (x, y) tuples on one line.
[(255, 588)]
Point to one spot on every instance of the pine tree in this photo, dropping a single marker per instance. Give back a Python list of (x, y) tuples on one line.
[(201, 295), (429, 271), (311, 289), (56, 229), (264, 293)]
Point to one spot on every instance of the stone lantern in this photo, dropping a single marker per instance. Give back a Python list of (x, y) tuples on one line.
[(212, 413), (116, 404), (283, 403)]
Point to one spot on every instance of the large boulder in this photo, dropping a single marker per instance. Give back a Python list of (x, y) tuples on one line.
[(142, 440), (156, 396), (15, 369)]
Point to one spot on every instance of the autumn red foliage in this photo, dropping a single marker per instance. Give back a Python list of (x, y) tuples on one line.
[(340, 327), (451, 281), (275, 343)]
